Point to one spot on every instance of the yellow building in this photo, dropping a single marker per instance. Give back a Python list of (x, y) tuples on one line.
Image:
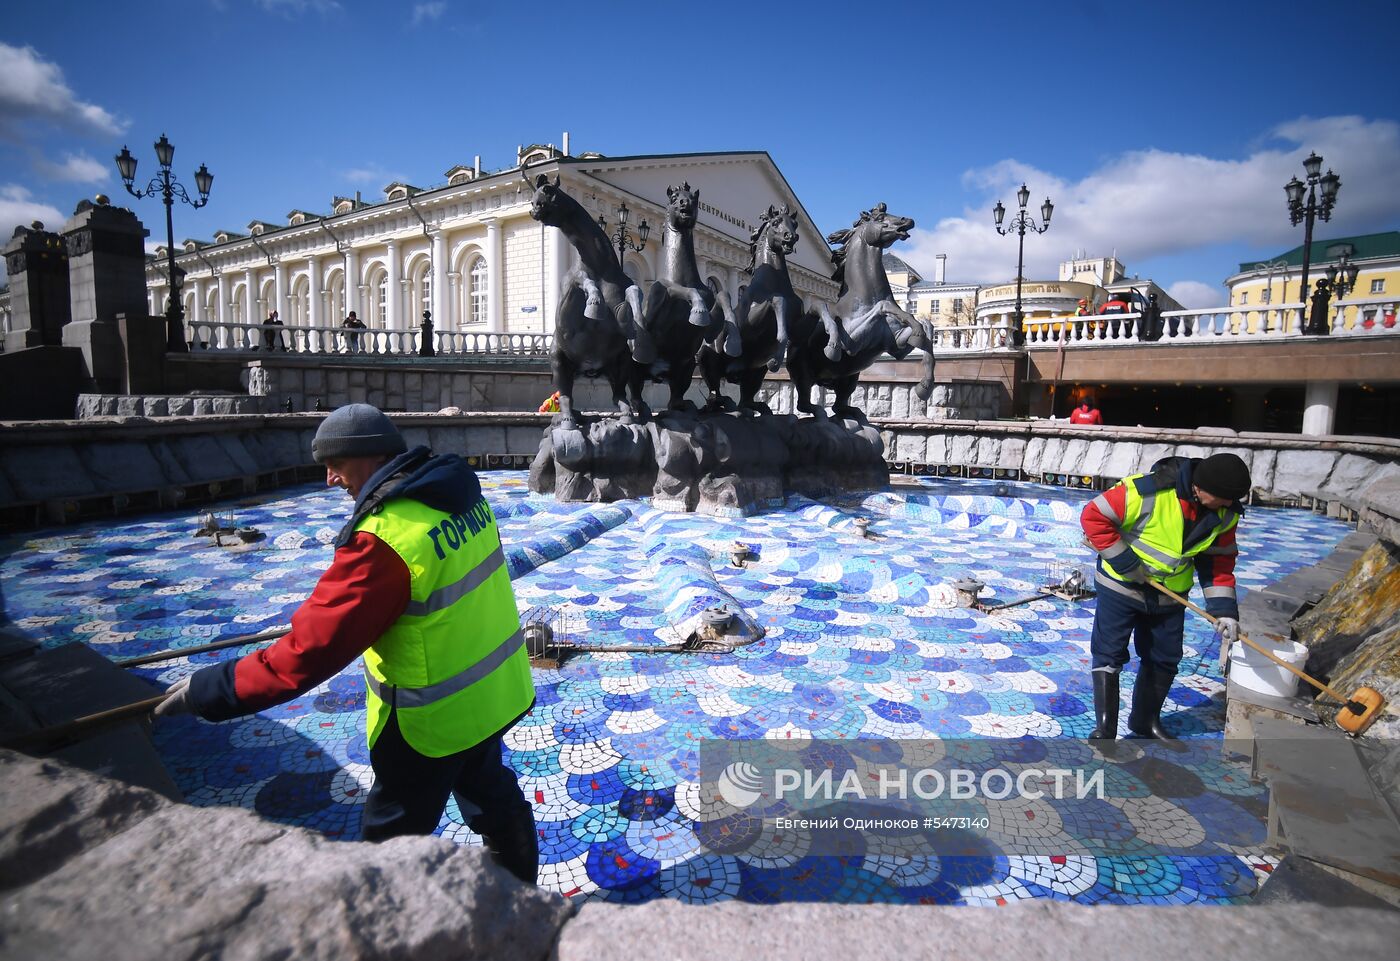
[(1277, 280)]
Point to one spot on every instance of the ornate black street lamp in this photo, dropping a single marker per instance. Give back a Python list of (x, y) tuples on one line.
[(1305, 212), (1342, 275), (1020, 223), (169, 188), (621, 239)]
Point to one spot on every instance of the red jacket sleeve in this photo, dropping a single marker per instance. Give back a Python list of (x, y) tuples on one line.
[(362, 593), (1102, 520)]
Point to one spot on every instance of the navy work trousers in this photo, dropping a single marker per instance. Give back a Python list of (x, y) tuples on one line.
[(1155, 628), (410, 793)]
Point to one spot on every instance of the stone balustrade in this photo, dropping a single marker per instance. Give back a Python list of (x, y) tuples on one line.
[(214, 337), (1359, 317)]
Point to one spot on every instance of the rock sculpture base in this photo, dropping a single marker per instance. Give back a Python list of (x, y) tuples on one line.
[(725, 464)]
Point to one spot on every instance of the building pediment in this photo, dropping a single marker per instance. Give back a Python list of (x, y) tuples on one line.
[(735, 190), (296, 218), (401, 191), (259, 227)]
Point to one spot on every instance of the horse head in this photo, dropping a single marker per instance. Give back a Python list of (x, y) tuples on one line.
[(777, 231), (684, 208), (547, 205), (877, 227)]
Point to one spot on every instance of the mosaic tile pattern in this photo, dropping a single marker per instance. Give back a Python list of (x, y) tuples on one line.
[(860, 644)]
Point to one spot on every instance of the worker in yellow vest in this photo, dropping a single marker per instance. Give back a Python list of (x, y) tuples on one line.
[(1173, 524), (418, 586)]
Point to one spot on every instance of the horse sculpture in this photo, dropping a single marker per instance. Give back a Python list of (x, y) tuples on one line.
[(873, 323), (680, 309), (597, 328), (767, 308)]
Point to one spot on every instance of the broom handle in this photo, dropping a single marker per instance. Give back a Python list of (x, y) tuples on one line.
[(261, 638), (1260, 648), (78, 725)]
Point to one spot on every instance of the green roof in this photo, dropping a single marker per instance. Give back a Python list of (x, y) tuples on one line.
[(1364, 247)]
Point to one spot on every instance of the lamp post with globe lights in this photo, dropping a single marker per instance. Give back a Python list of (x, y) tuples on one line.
[(1020, 223), (1306, 211), (169, 188), (621, 238)]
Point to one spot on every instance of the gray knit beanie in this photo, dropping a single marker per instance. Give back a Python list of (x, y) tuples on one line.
[(356, 430)]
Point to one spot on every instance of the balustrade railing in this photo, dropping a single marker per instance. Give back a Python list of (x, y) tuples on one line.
[(214, 337), (1359, 317)]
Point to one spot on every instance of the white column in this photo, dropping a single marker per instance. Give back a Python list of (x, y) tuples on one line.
[(197, 315), (440, 294), (1319, 407), (279, 291), (223, 298), (314, 292), (453, 305), (495, 294), (556, 268), (392, 293), (352, 285), (250, 279)]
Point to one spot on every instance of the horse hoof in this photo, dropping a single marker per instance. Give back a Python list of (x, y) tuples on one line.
[(699, 317), (832, 352), (593, 310)]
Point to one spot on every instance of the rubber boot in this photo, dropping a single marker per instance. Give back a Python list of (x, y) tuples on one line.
[(1105, 706), (1149, 694), (513, 842)]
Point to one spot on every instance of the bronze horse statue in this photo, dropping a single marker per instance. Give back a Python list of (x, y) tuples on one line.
[(597, 328), (766, 310), (680, 310), (869, 316)]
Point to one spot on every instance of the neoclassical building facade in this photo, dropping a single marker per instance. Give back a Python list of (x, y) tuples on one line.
[(469, 251)]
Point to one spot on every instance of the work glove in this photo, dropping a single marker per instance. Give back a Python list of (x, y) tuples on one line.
[(1138, 575), (177, 699), (1228, 630)]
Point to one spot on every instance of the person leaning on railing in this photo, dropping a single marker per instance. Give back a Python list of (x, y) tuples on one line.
[(352, 324)]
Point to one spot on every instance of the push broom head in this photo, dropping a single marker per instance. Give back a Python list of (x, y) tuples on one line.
[(1361, 711)]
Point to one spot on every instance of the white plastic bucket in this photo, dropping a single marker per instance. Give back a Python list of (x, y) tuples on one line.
[(1250, 669)]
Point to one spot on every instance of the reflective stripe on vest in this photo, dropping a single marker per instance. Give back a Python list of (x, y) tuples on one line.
[(423, 696), (1150, 523), (453, 667)]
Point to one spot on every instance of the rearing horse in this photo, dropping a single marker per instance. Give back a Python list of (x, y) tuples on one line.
[(597, 324), (766, 309), (680, 309), (869, 316)]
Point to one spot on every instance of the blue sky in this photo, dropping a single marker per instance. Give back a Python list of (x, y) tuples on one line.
[(1164, 132)]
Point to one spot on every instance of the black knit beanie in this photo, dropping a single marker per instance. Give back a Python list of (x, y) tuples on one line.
[(1224, 475), (356, 430)]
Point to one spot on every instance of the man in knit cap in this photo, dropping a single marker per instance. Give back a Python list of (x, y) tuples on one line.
[(1163, 525), (418, 586)]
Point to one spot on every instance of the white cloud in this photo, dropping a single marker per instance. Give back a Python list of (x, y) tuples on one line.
[(1152, 203), (32, 88), (1193, 293), (293, 8), (371, 174), (18, 208), (423, 12), (74, 168)]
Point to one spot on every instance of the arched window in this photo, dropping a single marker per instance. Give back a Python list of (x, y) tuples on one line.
[(479, 291), (381, 302)]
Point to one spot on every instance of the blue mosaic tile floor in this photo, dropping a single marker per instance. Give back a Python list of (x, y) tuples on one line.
[(860, 643)]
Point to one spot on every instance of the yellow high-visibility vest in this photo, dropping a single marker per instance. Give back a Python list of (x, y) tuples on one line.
[(454, 665), (1152, 528)]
